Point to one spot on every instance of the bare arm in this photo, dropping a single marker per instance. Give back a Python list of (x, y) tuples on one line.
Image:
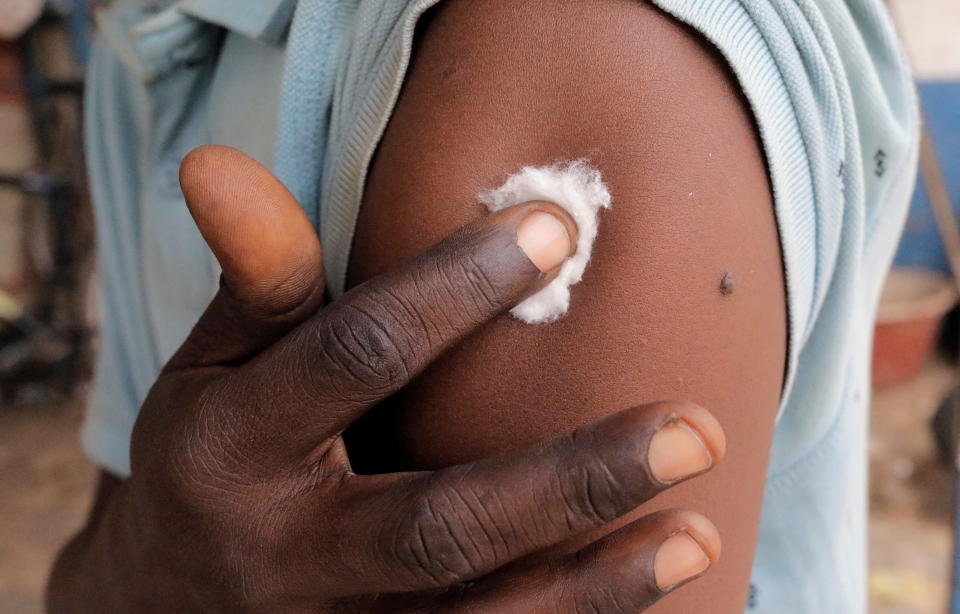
[(241, 496), (684, 298)]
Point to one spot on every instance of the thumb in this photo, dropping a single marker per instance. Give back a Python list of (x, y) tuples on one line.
[(267, 248)]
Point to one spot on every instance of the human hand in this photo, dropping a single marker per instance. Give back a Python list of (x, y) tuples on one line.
[(242, 498)]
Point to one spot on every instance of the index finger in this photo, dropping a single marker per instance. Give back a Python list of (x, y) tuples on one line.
[(383, 333)]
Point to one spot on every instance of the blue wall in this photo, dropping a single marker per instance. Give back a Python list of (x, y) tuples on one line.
[(921, 245)]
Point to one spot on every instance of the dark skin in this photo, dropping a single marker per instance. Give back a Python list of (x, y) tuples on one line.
[(242, 497), (684, 297), (656, 317)]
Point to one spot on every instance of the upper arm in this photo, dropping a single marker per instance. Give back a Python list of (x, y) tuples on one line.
[(501, 84)]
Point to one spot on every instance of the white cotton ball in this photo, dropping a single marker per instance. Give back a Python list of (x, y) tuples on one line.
[(580, 190)]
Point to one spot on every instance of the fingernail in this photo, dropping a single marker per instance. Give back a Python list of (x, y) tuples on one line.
[(676, 452), (544, 239), (679, 559)]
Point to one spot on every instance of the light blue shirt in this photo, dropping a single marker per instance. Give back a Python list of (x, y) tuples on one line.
[(826, 80)]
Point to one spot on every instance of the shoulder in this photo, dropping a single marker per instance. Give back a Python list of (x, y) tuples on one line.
[(493, 86), (496, 85)]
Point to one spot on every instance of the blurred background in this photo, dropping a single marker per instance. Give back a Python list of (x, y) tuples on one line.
[(48, 316)]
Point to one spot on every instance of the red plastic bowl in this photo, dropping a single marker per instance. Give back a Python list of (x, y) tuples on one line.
[(912, 306)]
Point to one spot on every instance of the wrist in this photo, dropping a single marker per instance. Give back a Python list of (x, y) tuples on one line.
[(92, 571)]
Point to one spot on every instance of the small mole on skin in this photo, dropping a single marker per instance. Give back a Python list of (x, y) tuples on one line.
[(728, 283)]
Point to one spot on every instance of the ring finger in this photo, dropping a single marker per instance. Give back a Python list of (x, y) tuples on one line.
[(623, 573)]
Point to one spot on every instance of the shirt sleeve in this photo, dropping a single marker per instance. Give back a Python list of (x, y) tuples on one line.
[(156, 274), (112, 119)]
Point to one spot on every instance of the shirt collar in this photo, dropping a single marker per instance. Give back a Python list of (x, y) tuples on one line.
[(154, 38), (265, 20)]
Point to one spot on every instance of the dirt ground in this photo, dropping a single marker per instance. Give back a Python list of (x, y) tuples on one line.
[(46, 484), (911, 498)]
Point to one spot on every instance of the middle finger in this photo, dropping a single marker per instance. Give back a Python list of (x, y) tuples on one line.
[(439, 529)]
